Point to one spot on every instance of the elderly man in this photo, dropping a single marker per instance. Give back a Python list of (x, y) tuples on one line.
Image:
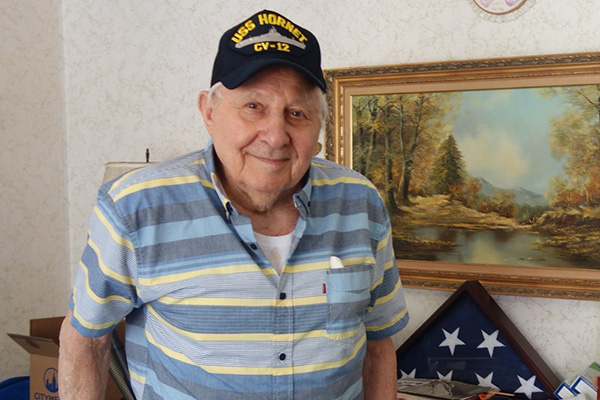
[(249, 270)]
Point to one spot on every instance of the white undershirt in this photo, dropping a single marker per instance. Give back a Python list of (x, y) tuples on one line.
[(276, 248)]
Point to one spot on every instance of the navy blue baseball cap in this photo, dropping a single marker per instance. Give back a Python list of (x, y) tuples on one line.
[(266, 38)]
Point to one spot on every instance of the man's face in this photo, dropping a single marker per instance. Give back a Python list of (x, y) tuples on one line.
[(265, 133)]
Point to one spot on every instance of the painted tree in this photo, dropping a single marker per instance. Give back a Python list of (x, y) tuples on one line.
[(394, 135), (375, 121), (393, 120), (448, 169), (504, 204), (409, 138), (365, 126), (575, 137), (467, 193), (563, 194)]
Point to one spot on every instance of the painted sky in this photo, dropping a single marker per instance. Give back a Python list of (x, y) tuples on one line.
[(504, 137)]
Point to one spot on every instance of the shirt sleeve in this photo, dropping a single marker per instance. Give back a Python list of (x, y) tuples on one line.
[(387, 313), (104, 290)]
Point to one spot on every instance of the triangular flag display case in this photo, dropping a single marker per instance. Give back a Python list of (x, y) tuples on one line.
[(470, 339)]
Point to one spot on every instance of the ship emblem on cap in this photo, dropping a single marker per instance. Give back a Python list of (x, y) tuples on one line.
[(272, 36)]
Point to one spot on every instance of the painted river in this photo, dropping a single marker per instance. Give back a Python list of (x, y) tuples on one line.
[(501, 247)]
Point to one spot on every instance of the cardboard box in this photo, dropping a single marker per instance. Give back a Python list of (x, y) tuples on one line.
[(42, 345)]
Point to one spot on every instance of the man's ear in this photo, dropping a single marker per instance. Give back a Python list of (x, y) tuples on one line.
[(205, 109)]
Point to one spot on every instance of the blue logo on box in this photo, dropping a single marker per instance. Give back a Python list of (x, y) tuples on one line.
[(51, 380)]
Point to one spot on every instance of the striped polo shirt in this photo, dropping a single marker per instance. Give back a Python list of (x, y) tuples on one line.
[(207, 315)]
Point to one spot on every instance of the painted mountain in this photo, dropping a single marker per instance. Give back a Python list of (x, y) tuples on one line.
[(522, 195)]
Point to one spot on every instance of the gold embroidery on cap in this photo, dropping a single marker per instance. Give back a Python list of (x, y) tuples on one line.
[(274, 19), (243, 31)]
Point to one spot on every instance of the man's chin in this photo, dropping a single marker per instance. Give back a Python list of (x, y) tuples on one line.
[(263, 201)]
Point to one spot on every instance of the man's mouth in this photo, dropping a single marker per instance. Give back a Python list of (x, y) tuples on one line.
[(272, 160)]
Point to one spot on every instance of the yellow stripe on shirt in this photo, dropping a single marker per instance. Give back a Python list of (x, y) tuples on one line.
[(85, 323), (243, 302), (390, 296), (107, 271), (154, 183), (120, 240), (385, 241), (231, 269), (94, 296), (398, 317), (245, 370), (342, 179)]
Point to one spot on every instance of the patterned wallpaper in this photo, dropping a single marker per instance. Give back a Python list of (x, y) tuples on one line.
[(34, 257), (131, 71)]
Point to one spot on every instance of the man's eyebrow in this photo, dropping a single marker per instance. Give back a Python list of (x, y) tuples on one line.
[(250, 92), (303, 99)]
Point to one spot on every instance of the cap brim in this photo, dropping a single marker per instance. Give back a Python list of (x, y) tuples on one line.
[(239, 75)]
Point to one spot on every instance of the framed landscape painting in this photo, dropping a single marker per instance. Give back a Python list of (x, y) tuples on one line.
[(490, 169)]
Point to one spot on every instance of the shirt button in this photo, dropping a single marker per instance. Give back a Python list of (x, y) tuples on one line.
[(282, 356), (282, 296), (253, 246)]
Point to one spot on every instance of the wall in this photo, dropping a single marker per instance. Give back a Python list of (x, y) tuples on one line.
[(132, 70), (34, 257)]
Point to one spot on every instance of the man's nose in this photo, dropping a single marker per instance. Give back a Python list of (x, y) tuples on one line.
[(274, 132)]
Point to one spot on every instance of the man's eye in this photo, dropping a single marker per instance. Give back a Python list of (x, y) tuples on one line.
[(252, 106), (297, 114)]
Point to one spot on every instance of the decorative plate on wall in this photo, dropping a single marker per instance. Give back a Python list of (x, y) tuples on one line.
[(499, 10), (499, 6)]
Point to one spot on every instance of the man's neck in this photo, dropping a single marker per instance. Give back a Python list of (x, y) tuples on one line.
[(278, 219), (275, 222)]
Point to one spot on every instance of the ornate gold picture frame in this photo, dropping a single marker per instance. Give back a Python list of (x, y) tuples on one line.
[(357, 97)]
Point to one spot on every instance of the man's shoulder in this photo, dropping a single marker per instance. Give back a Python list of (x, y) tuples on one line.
[(184, 168), (332, 172)]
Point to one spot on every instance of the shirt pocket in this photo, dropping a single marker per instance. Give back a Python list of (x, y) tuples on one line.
[(347, 299)]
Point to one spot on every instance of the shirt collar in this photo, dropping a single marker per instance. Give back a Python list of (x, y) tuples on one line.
[(302, 198), (209, 162)]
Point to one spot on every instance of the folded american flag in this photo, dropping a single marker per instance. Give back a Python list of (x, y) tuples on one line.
[(470, 339)]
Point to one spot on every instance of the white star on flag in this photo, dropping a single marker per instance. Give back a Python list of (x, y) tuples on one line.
[(490, 342), (452, 340), (487, 381), (445, 378), (527, 386), (412, 374)]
